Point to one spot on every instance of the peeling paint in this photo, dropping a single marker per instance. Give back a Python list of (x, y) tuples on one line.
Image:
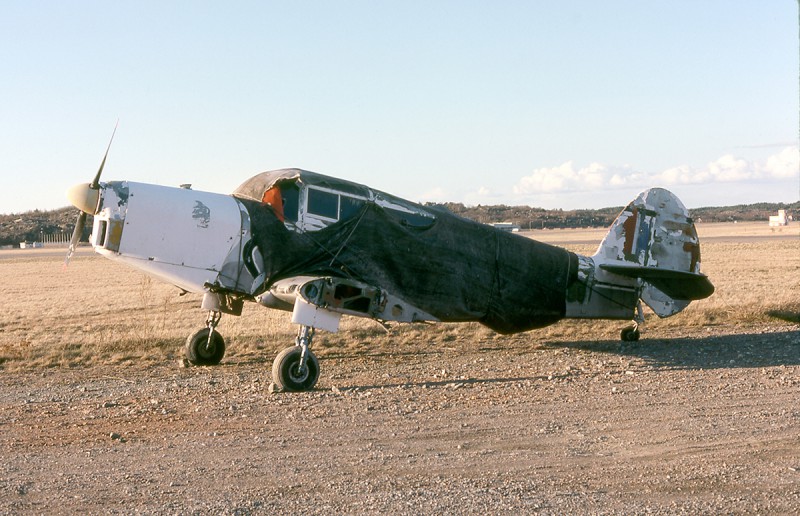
[(120, 188), (659, 249), (580, 290), (665, 238)]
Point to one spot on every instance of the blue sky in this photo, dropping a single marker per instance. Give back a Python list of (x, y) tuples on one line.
[(569, 104)]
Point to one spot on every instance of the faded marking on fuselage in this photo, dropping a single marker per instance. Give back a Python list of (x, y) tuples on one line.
[(202, 214)]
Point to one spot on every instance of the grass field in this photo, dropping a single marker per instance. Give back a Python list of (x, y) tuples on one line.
[(99, 312)]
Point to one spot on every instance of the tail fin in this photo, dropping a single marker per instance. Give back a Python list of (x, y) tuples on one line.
[(655, 240)]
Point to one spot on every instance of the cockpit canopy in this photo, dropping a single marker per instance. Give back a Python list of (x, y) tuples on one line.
[(307, 201)]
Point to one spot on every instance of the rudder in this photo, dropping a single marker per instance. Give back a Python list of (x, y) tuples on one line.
[(654, 239)]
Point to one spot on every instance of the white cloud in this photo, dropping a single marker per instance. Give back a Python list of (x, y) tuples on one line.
[(727, 169), (784, 164), (617, 180), (566, 178)]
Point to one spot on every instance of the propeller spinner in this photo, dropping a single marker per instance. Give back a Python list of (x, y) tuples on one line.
[(86, 197)]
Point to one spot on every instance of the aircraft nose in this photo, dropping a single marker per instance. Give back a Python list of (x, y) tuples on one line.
[(84, 197)]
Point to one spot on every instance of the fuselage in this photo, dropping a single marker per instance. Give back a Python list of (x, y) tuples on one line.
[(292, 223), (322, 247)]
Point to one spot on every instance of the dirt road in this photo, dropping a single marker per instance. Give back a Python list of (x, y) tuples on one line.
[(703, 423)]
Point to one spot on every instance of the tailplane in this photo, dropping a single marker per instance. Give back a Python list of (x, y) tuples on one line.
[(651, 253), (654, 240)]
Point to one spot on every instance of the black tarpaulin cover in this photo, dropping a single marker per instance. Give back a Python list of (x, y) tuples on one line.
[(255, 187), (454, 269)]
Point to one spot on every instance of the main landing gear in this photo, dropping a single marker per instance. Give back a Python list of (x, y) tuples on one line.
[(631, 333), (206, 346), (295, 368)]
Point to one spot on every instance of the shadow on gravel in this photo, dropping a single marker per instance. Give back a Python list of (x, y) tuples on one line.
[(719, 352), (785, 315), (726, 352)]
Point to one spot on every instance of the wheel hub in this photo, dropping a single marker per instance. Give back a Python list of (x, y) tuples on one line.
[(297, 373)]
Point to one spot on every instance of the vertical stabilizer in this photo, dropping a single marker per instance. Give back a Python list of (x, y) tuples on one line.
[(655, 240)]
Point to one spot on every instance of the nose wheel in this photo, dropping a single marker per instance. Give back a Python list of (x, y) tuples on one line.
[(297, 368)]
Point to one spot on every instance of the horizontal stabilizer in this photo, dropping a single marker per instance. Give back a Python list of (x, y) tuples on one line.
[(682, 285)]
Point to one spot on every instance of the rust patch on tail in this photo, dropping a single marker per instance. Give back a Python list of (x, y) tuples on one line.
[(694, 250), (629, 227)]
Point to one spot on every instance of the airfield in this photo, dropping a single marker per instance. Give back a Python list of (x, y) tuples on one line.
[(99, 414)]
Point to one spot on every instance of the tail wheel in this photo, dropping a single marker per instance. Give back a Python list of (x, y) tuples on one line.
[(287, 374), (200, 350), (629, 334)]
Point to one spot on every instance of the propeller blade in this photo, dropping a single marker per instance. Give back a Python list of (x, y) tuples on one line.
[(86, 200), (96, 181), (76, 236)]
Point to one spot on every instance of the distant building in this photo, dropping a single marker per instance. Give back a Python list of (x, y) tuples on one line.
[(506, 226), (780, 220)]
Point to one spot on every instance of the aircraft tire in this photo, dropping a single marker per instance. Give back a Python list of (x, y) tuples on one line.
[(198, 353), (284, 370), (629, 334)]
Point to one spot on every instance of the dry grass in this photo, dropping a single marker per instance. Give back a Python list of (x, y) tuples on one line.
[(99, 312)]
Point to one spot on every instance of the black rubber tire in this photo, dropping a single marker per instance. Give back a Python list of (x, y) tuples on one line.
[(629, 334), (199, 351), (284, 370)]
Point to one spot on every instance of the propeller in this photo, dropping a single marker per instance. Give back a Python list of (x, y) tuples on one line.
[(86, 197)]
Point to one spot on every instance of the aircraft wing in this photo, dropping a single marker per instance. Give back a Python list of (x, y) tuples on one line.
[(321, 301)]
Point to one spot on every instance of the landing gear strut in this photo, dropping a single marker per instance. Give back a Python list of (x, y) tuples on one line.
[(631, 333), (206, 346), (297, 368)]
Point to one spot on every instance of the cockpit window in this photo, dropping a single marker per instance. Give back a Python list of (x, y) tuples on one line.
[(349, 207), (323, 204)]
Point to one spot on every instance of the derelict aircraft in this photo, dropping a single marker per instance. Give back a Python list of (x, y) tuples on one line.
[(321, 248)]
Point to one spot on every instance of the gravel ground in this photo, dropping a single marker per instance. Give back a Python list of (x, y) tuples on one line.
[(704, 423)]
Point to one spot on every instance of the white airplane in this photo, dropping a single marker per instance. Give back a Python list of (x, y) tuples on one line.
[(321, 248)]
